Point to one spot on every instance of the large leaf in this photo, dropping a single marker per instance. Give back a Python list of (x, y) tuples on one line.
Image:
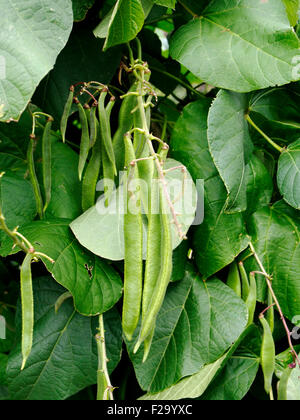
[(275, 235), (78, 62), (32, 36), (122, 24), (239, 46), (64, 355), (288, 176), (107, 223), (230, 145), (94, 284), (222, 236), (196, 325)]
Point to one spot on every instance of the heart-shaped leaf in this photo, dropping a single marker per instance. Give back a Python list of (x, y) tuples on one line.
[(217, 48), (30, 41)]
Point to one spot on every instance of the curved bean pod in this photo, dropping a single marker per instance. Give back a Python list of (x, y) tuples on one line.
[(27, 308), (66, 113), (46, 155)]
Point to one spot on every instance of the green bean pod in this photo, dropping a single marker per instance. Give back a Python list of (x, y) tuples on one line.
[(251, 298), (27, 308), (245, 281), (234, 280), (126, 117), (93, 126), (91, 175), (166, 264), (85, 140), (33, 177), (46, 155), (104, 119), (66, 113), (133, 241), (267, 354), (271, 312)]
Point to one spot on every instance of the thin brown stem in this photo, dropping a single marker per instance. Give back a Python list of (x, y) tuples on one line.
[(276, 302)]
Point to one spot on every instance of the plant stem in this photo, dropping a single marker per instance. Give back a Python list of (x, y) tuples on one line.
[(269, 284), (105, 389), (269, 140)]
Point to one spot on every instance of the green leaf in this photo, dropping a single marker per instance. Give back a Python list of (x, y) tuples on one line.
[(259, 185), (192, 387), (288, 175), (107, 223), (76, 63), (292, 9), (94, 284), (17, 201), (64, 355), (3, 364), (31, 39), (276, 237), (269, 102), (221, 237), (218, 49), (125, 22), (80, 8), (188, 334), (230, 145)]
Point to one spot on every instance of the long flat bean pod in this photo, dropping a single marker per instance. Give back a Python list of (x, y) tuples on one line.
[(164, 275), (85, 139), (133, 240), (126, 117), (66, 113), (267, 354), (27, 308), (104, 119), (251, 298), (234, 280), (33, 177), (91, 175), (46, 154)]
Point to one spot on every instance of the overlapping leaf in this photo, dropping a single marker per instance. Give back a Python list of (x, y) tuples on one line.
[(64, 354), (32, 36), (195, 327), (239, 46)]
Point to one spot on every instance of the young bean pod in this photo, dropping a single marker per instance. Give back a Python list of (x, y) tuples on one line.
[(85, 139), (104, 118), (46, 155), (251, 298), (234, 280), (245, 281), (94, 126), (27, 308), (133, 241), (33, 177), (267, 354), (271, 311), (66, 113), (126, 117), (91, 175)]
